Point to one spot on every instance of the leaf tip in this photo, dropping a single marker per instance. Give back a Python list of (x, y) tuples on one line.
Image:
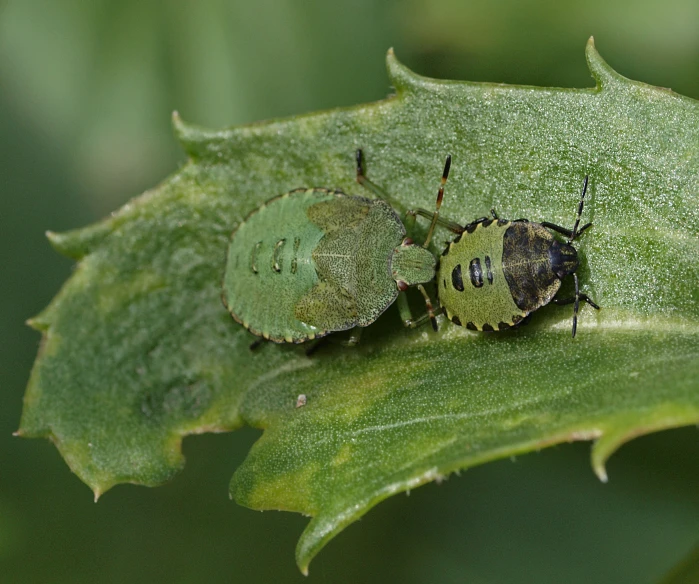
[(98, 486), (65, 243), (312, 540), (400, 76), (78, 243), (178, 125), (40, 322), (59, 242), (601, 72), (606, 445), (189, 136), (303, 562), (625, 429), (600, 469)]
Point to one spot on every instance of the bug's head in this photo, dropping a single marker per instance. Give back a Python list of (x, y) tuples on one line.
[(412, 264), (564, 259)]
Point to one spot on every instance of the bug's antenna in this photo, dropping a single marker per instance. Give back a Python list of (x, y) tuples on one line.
[(575, 233), (435, 216)]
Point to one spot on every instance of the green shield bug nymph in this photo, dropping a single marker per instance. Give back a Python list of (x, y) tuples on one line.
[(314, 260), (495, 273)]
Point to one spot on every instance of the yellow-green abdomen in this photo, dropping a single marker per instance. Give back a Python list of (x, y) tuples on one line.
[(471, 284)]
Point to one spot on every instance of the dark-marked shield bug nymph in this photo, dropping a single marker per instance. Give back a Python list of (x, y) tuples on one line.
[(496, 272)]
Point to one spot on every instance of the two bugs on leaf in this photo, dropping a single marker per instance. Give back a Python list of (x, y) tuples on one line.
[(315, 261)]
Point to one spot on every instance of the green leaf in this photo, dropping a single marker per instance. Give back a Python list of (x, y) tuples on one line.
[(138, 350)]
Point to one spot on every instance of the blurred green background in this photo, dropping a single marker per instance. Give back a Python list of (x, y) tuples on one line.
[(86, 93)]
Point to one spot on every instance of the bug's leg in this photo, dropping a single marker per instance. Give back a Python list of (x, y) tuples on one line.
[(438, 203), (428, 305), (369, 185), (470, 227), (406, 315), (576, 305), (256, 343), (419, 321), (587, 299), (452, 226), (575, 299), (493, 215), (567, 232), (583, 297), (582, 229), (558, 228), (354, 338), (482, 220), (409, 221)]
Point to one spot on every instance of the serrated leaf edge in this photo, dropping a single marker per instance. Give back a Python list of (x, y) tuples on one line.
[(318, 532)]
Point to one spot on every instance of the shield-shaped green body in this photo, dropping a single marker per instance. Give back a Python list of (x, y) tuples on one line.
[(314, 261), (497, 272)]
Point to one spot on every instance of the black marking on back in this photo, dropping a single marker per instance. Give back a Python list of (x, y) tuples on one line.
[(471, 326), (488, 269), (487, 223), (476, 272), (503, 326), (456, 320), (471, 227), (526, 264), (488, 328), (456, 279)]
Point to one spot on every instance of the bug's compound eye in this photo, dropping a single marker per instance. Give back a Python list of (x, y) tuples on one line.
[(402, 286), (407, 241)]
